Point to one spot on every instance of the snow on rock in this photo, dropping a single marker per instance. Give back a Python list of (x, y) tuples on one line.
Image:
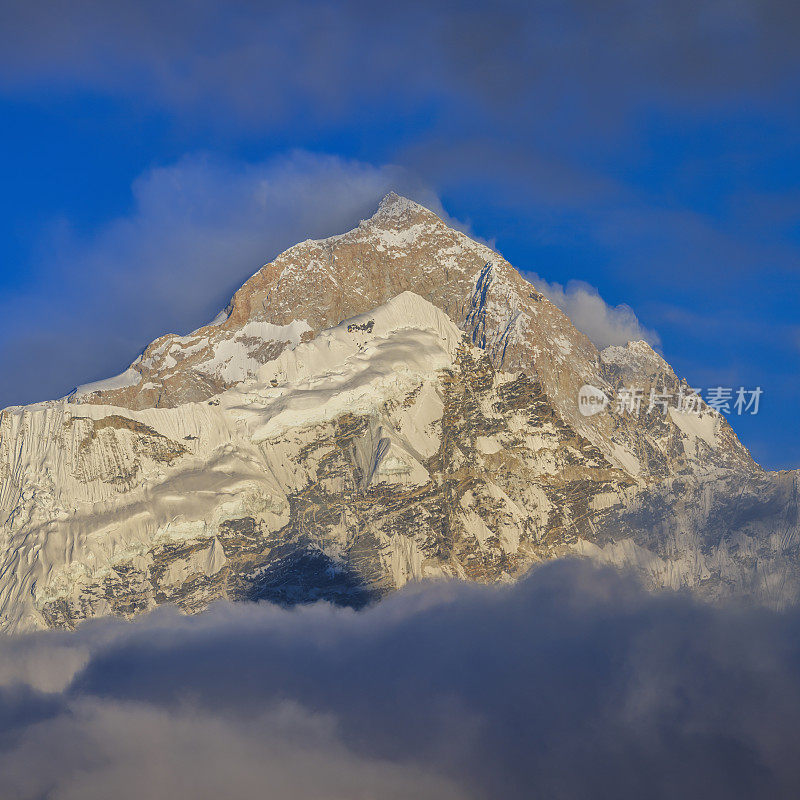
[(122, 381), (353, 367), (701, 426), (87, 487), (233, 359)]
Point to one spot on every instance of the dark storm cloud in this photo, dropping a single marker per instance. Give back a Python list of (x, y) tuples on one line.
[(573, 684), (256, 58)]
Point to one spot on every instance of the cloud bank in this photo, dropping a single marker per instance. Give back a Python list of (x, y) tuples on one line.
[(574, 683), (255, 59)]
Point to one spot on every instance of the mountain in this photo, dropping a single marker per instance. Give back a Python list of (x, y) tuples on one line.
[(391, 404)]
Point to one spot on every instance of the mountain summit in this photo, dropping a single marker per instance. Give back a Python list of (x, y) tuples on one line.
[(390, 404)]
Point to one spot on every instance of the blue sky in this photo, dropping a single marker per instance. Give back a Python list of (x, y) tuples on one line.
[(154, 155)]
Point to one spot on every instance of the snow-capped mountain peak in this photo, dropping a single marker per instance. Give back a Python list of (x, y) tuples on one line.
[(389, 404)]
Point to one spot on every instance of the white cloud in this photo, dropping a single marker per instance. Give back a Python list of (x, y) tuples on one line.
[(602, 323)]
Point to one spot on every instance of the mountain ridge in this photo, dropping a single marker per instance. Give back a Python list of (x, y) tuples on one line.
[(393, 403), (403, 247)]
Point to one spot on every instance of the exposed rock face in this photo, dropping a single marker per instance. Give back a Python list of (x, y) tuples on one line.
[(387, 405), (404, 247)]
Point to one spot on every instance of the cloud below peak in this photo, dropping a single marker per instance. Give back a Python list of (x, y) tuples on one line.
[(574, 683)]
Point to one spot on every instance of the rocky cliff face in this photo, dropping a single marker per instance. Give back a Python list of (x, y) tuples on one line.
[(387, 405)]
